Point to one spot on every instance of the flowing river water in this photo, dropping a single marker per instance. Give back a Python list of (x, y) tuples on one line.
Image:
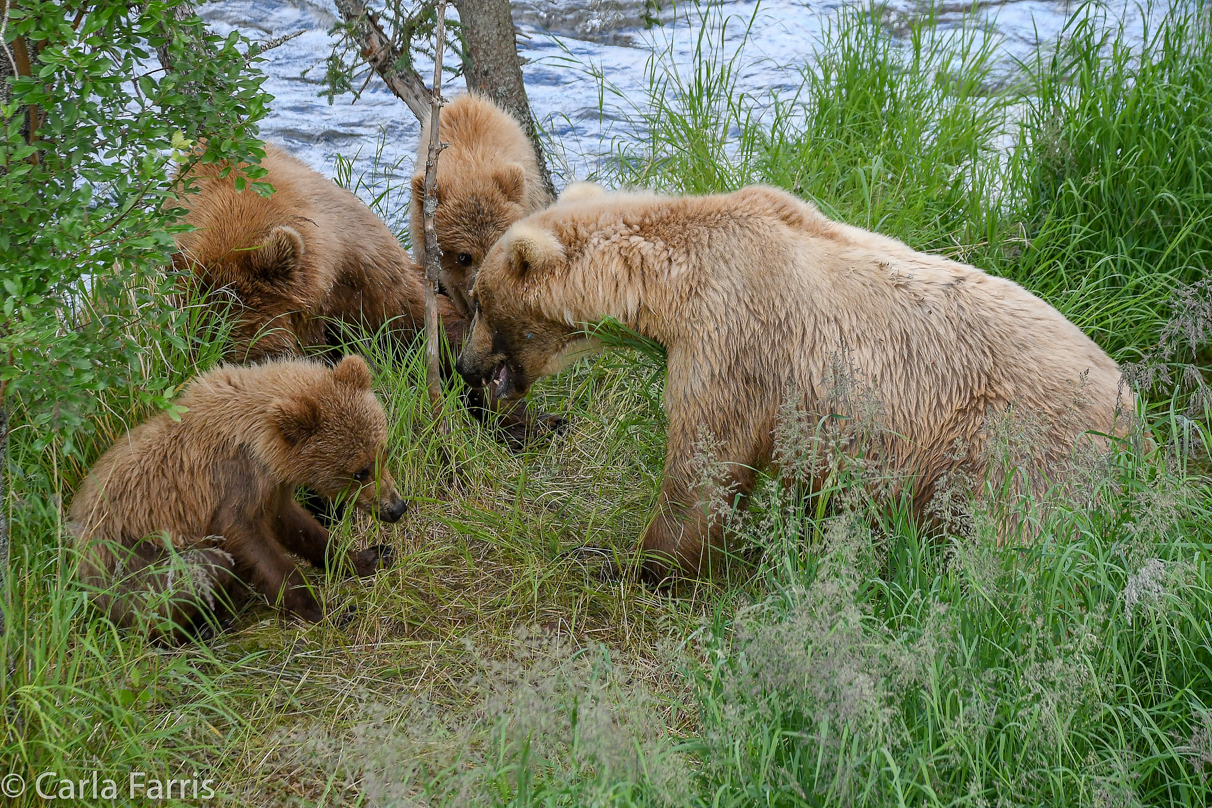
[(574, 49)]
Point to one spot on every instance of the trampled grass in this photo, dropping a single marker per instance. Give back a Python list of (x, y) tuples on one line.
[(845, 658)]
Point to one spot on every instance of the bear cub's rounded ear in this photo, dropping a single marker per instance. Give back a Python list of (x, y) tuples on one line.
[(511, 179), (532, 248), (352, 370), (581, 191), (275, 259), (297, 419)]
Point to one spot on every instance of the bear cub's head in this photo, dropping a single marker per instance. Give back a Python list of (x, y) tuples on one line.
[(334, 440), (473, 211), (515, 339)]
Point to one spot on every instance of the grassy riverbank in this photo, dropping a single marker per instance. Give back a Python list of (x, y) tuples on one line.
[(853, 660)]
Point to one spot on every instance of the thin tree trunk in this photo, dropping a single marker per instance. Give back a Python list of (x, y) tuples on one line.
[(180, 13), (492, 67), (383, 57), (428, 215)]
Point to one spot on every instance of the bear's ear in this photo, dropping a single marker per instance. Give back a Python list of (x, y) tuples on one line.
[(512, 181), (275, 260), (533, 248), (297, 419), (578, 191), (352, 370)]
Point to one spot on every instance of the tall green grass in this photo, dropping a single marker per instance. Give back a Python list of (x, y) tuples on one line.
[(889, 667), (1083, 175), (1113, 173)]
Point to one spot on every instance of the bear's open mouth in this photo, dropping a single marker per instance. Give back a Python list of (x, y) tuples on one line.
[(501, 379)]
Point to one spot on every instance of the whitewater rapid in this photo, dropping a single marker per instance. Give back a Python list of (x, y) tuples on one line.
[(585, 67)]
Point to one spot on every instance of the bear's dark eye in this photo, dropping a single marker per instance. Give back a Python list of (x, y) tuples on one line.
[(363, 475), (463, 259)]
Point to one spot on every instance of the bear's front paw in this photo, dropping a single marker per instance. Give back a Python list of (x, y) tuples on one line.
[(372, 559), (300, 602)]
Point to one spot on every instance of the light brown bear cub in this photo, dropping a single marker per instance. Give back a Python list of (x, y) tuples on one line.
[(298, 261), (488, 178), (756, 296), (219, 484)]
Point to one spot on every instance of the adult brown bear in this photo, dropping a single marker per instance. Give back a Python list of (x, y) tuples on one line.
[(755, 296)]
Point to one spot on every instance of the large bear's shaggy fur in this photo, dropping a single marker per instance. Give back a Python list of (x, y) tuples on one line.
[(756, 296), (219, 485), (487, 179)]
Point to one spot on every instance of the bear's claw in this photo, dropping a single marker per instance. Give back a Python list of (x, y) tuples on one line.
[(372, 559)]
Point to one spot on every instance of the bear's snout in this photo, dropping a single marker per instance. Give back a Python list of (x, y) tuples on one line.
[(499, 379), (469, 368), (393, 510)]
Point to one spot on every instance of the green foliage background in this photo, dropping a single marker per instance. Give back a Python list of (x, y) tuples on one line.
[(89, 317)]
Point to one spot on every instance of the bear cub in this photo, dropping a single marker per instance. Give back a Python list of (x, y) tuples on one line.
[(179, 518), (298, 261), (487, 179)]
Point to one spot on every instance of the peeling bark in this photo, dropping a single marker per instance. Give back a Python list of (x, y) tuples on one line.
[(379, 52)]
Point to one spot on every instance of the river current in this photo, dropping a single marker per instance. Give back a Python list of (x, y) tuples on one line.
[(573, 50)]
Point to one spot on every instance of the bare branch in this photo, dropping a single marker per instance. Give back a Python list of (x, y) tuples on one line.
[(383, 56), (429, 214), (277, 41)]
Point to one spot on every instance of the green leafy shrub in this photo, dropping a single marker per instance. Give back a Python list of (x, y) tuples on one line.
[(93, 337)]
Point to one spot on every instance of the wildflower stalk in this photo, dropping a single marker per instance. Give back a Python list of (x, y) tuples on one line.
[(3, 497)]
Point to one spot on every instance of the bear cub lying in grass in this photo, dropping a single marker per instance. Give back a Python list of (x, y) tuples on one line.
[(756, 296), (219, 484), (296, 262)]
